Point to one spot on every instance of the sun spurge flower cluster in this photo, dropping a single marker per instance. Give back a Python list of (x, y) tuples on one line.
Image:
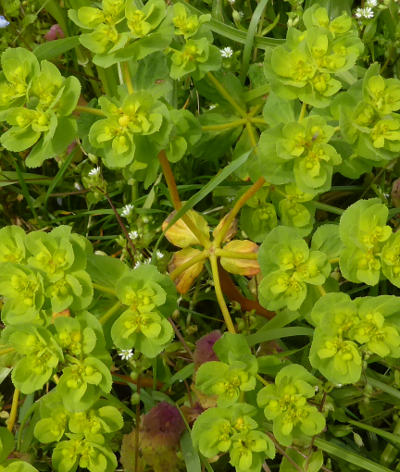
[(229, 427), (287, 202), (299, 150), (370, 248), (233, 430), (368, 122), (349, 330), (290, 269), (150, 299), (306, 66), (46, 280), (82, 438), (36, 101), (120, 30), (286, 404), (233, 374)]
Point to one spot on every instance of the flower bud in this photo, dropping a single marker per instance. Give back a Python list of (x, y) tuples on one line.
[(235, 265)]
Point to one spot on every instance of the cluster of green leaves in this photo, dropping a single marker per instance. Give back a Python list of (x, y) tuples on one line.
[(368, 124), (86, 434), (150, 298), (290, 270), (288, 202), (307, 65), (348, 331), (285, 403), (229, 427), (47, 290), (369, 246), (36, 101)]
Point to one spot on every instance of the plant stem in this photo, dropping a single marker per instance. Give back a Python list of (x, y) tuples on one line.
[(328, 208), (252, 135), (261, 121), (127, 77), (108, 314), (181, 338), (103, 288), (170, 179), (90, 110), (178, 271), (232, 124), (263, 381), (219, 294), (13, 412), (7, 350), (176, 201), (321, 290), (302, 111), (137, 427), (283, 453), (221, 89), (235, 254), (235, 210)]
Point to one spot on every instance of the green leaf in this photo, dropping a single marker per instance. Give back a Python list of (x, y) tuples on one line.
[(208, 188), (55, 48), (190, 455), (337, 450)]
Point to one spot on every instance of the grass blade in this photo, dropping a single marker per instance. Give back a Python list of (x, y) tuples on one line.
[(349, 456)]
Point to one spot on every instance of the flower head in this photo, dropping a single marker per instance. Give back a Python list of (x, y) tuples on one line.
[(94, 172), (371, 3), (54, 33), (226, 52), (133, 234), (127, 210), (3, 22), (162, 426), (204, 348), (125, 354), (366, 12)]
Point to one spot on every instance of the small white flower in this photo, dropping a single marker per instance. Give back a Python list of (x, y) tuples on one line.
[(126, 210), (77, 186), (159, 254), (134, 234), (372, 3), (226, 52), (359, 13), (231, 1), (211, 107), (3, 22), (125, 354), (366, 12), (94, 172)]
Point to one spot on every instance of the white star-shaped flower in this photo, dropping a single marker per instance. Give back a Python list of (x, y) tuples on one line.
[(125, 354), (226, 52), (127, 210), (133, 234), (95, 171)]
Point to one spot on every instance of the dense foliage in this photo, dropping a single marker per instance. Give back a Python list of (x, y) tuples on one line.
[(199, 245)]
